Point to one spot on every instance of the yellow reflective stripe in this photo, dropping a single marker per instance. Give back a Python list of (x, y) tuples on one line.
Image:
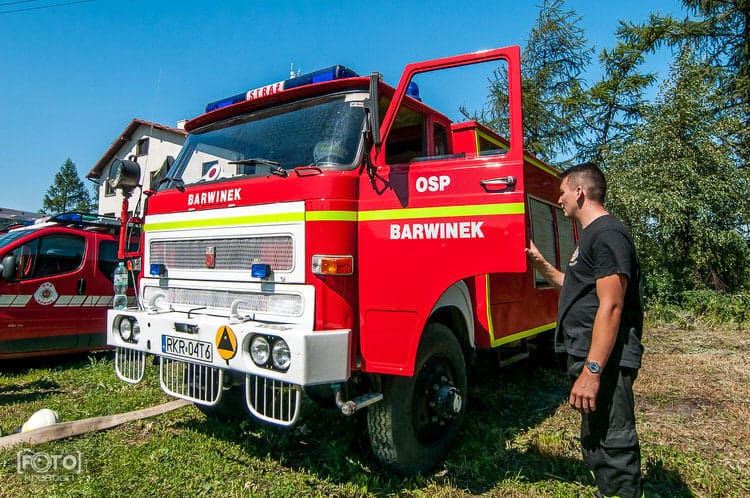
[(442, 212), (331, 216), (375, 215), (513, 337), (224, 222)]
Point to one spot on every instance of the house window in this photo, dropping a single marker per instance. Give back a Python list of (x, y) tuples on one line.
[(108, 190), (141, 147)]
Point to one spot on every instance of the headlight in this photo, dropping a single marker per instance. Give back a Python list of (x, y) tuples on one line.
[(281, 355), (126, 330), (260, 350)]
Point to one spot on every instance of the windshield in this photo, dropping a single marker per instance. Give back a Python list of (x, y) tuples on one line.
[(7, 238), (323, 131)]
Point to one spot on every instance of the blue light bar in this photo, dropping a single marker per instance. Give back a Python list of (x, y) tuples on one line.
[(328, 74), (258, 270)]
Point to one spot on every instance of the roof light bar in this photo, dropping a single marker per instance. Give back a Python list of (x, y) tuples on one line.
[(328, 74)]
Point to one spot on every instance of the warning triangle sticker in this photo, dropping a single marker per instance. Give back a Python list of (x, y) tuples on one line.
[(225, 342)]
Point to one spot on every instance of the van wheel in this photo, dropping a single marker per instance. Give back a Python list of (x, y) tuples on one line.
[(412, 429)]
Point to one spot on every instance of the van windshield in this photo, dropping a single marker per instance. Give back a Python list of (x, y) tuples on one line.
[(324, 131)]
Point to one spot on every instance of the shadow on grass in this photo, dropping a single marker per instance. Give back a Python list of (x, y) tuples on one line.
[(505, 408)]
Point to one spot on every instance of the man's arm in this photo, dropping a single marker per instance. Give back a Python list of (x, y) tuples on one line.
[(551, 274), (611, 293)]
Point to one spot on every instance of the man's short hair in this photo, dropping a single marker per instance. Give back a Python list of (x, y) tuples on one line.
[(590, 177)]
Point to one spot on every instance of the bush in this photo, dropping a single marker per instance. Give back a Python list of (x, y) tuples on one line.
[(718, 307)]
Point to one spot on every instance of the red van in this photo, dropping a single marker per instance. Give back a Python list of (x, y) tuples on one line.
[(56, 285)]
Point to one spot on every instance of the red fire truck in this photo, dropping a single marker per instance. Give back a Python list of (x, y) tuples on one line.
[(334, 235)]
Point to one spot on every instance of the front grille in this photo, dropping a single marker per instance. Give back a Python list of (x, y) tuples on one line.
[(198, 383), (130, 364), (274, 401), (251, 302), (229, 254)]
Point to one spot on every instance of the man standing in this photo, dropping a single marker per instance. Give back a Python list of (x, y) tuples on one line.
[(599, 324)]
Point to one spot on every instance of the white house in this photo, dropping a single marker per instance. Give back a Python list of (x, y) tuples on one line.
[(149, 144)]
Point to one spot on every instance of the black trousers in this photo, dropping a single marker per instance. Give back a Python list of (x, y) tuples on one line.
[(609, 440)]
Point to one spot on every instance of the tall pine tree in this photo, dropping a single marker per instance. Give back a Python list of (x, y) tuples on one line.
[(67, 192)]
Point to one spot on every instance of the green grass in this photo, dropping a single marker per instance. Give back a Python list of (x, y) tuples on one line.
[(520, 438)]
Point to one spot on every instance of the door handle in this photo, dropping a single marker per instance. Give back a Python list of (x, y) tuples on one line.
[(81, 286), (504, 180)]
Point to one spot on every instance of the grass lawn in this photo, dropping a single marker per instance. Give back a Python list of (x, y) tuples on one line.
[(520, 438)]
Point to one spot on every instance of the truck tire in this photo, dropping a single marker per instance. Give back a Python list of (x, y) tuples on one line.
[(412, 429)]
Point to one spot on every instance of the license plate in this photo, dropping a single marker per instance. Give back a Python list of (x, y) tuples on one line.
[(187, 348)]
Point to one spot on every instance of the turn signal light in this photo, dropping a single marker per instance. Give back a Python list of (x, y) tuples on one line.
[(333, 265)]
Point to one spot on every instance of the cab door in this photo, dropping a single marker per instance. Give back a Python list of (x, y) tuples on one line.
[(430, 218), (45, 314)]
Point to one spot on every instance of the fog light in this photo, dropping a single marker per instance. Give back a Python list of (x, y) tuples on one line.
[(260, 350), (281, 355)]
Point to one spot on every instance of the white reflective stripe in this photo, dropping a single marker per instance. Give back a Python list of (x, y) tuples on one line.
[(63, 300), (77, 300), (104, 301), (21, 300), (14, 300)]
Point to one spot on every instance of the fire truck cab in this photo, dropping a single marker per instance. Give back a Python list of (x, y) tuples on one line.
[(333, 234), (56, 285)]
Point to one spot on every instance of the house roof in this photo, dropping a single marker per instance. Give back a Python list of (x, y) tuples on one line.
[(125, 136)]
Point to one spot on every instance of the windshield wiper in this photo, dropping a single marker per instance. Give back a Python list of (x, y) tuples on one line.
[(178, 183), (274, 167)]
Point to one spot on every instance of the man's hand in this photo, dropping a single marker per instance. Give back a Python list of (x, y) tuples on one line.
[(583, 395), (551, 274)]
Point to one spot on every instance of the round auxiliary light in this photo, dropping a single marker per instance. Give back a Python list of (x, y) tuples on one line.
[(281, 355), (260, 350), (136, 332), (126, 330)]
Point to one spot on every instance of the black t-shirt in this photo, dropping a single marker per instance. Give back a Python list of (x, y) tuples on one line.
[(605, 247)]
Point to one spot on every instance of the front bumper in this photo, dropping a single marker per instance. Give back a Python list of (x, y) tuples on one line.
[(317, 357)]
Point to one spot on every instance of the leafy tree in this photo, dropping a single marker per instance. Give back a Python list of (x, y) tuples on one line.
[(552, 65), (67, 192), (678, 187), (720, 32), (614, 104)]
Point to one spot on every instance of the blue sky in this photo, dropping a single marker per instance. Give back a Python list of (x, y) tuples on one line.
[(73, 74)]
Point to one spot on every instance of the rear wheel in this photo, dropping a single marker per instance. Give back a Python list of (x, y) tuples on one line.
[(412, 429)]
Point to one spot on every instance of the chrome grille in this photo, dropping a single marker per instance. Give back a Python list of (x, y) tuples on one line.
[(198, 383), (274, 401), (130, 364), (252, 302), (230, 254)]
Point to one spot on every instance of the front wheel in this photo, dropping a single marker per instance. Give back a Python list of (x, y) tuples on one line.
[(412, 429)]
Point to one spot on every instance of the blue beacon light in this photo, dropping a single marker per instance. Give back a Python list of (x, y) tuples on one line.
[(328, 74)]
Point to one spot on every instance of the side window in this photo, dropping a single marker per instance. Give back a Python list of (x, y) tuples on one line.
[(107, 258), (55, 255), (439, 139), (407, 138), (543, 233)]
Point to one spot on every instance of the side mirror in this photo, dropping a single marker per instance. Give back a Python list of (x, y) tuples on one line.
[(373, 110), (9, 267)]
